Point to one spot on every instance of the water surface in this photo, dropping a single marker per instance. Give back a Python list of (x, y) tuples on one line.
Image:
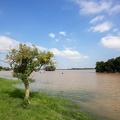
[(97, 93)]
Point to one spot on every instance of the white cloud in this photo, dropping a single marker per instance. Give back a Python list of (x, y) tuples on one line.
[(106, 26), (112, 42), (62, 33), (39, 47), (52, 35), (94, 7), (6, 43), (115, 9), (69, 54), (57, 40), (115, 30), (96, 19)]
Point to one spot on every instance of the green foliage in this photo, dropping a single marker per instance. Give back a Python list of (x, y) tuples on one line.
[(4, 68), (43, 107), (1, 68), (117, 64), (25, 60), (110, 66), (100, 66), (50, 68)]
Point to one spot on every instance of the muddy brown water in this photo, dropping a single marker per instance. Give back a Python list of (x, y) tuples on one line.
[(96, 93)]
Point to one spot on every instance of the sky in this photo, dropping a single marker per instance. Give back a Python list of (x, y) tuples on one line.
[(78, 32)]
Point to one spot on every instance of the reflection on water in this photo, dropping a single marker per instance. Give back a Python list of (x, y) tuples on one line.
[(97, 93)]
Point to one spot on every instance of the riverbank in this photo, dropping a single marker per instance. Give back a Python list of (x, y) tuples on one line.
[(43, 106)]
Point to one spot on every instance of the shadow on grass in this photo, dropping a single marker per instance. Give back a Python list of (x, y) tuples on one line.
[(17, 93)]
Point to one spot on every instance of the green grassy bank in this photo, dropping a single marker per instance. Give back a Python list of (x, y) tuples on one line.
[(43, 106)]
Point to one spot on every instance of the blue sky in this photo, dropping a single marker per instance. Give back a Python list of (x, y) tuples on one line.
[(78, 32)]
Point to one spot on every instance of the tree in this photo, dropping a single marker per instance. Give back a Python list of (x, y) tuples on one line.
[(117, 64), (100, 66), (50, 68), (1, 68), (109, 66), (24, 61)]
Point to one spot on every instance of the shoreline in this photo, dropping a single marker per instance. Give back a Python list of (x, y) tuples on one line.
[(12, 97)]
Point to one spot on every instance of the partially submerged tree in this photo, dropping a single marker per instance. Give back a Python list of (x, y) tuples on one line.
[(24, 61), (110, 66), (100, 66), (50, 68)]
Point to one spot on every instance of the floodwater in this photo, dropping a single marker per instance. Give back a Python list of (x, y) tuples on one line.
[(96, 93)]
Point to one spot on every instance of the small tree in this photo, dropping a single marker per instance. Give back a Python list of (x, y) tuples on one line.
[(50, 68), (1, 68), (24, 61)]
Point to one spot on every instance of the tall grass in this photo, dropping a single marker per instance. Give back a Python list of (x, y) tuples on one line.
[(43, 106)]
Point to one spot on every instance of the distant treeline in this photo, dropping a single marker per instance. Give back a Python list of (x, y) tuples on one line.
[(4, 68), (47, 68), (110, 66), (81, 68)]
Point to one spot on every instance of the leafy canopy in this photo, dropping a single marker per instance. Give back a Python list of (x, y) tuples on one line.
[(25, 60)]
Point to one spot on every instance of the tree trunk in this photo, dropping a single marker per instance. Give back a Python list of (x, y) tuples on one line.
[(27, 91)]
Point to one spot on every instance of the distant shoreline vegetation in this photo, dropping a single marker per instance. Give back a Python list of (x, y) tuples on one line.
[(4, 68), (81, 69), (110, 66)]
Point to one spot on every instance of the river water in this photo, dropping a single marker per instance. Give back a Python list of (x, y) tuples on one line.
[(96, 93)]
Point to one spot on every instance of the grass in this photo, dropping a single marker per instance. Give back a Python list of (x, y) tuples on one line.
[(43, 106)]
